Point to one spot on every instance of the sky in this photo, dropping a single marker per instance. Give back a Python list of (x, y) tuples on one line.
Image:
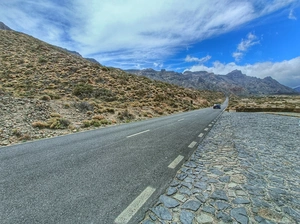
[(259, 37)]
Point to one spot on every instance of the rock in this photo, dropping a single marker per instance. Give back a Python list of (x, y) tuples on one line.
[(188, 185), (240, 215), (162, 212), (241, 201), (225, 217), (222, 205), (203, 197), (182, 176), (209, 209), (190, 164), (193, 205), (224, 179), (180, 197), (216, 171), (171, 191), (204, 219), (174, 183), (185, 190), (189, 180), (147, 222), (168, 202), (200, 185), (219, 195), (186, 217)]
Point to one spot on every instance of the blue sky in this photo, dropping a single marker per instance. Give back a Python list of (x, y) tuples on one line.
[(259, 37)]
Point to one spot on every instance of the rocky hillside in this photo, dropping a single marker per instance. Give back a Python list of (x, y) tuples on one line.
[(4, 27), (47, 91), (233, 83)]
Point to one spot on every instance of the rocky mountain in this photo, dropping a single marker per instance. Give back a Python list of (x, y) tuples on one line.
[(233, 83), (297, 89), (47, 91), (4, 27)]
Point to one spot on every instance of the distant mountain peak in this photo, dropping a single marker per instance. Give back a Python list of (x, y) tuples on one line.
[(234, 82), (236, 74), (4, 27)]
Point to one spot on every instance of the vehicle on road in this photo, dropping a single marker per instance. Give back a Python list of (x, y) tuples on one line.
[(217, 106)]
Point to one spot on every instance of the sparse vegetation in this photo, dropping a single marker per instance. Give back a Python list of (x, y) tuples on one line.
[(276, 103), (82, 93)]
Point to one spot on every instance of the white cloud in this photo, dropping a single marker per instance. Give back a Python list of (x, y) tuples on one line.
[(244, 45), (291, 15), (199, 60), (286, 72), (136, 31), (158, 65)]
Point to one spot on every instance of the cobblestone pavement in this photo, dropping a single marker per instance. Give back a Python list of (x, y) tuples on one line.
[(246, 170)]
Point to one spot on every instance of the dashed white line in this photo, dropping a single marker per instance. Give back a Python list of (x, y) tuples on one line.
[(129, 136), (192, 144), (130, 211), (176, 162), (181, 119), (201, 135)]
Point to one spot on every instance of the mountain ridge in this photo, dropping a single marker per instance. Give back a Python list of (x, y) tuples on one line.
[(234, 82), (4, 27)]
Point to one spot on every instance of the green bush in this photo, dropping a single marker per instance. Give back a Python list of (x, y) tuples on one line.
[(59, 123), (83, 91)]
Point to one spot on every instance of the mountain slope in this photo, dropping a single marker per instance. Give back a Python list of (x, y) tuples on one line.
[(233, 83), (46, 90), (297, 89), (4, 27)]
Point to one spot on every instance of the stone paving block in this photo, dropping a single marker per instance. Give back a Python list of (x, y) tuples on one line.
[(246, 170)]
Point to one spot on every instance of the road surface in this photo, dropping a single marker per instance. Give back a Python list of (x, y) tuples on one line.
[(109, 175)]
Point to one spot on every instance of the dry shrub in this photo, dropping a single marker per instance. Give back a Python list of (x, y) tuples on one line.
[(45, 97), (40, 124), (98, 117), (25, 137), (55, 115)]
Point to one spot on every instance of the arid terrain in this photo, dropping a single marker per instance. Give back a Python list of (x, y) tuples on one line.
[(47, 91), (275, 103)]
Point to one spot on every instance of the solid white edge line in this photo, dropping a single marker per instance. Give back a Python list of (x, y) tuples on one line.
[(176, 162), (200, 135), (134, 206), (129, 136), (192, 144)]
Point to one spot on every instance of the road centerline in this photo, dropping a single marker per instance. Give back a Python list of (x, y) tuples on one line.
[(142, 132), (176, 162), (192, 144), (134, 206)]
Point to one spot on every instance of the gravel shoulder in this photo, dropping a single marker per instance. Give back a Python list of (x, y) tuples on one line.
[(246, 170)]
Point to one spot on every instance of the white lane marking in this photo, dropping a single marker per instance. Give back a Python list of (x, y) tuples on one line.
[(129, 136), (192, 144), (176, 162), (181, 119), (206, 129), (130, 211), (201, 135)]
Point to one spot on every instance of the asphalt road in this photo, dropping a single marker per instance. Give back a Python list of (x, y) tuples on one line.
[(93, 176)]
